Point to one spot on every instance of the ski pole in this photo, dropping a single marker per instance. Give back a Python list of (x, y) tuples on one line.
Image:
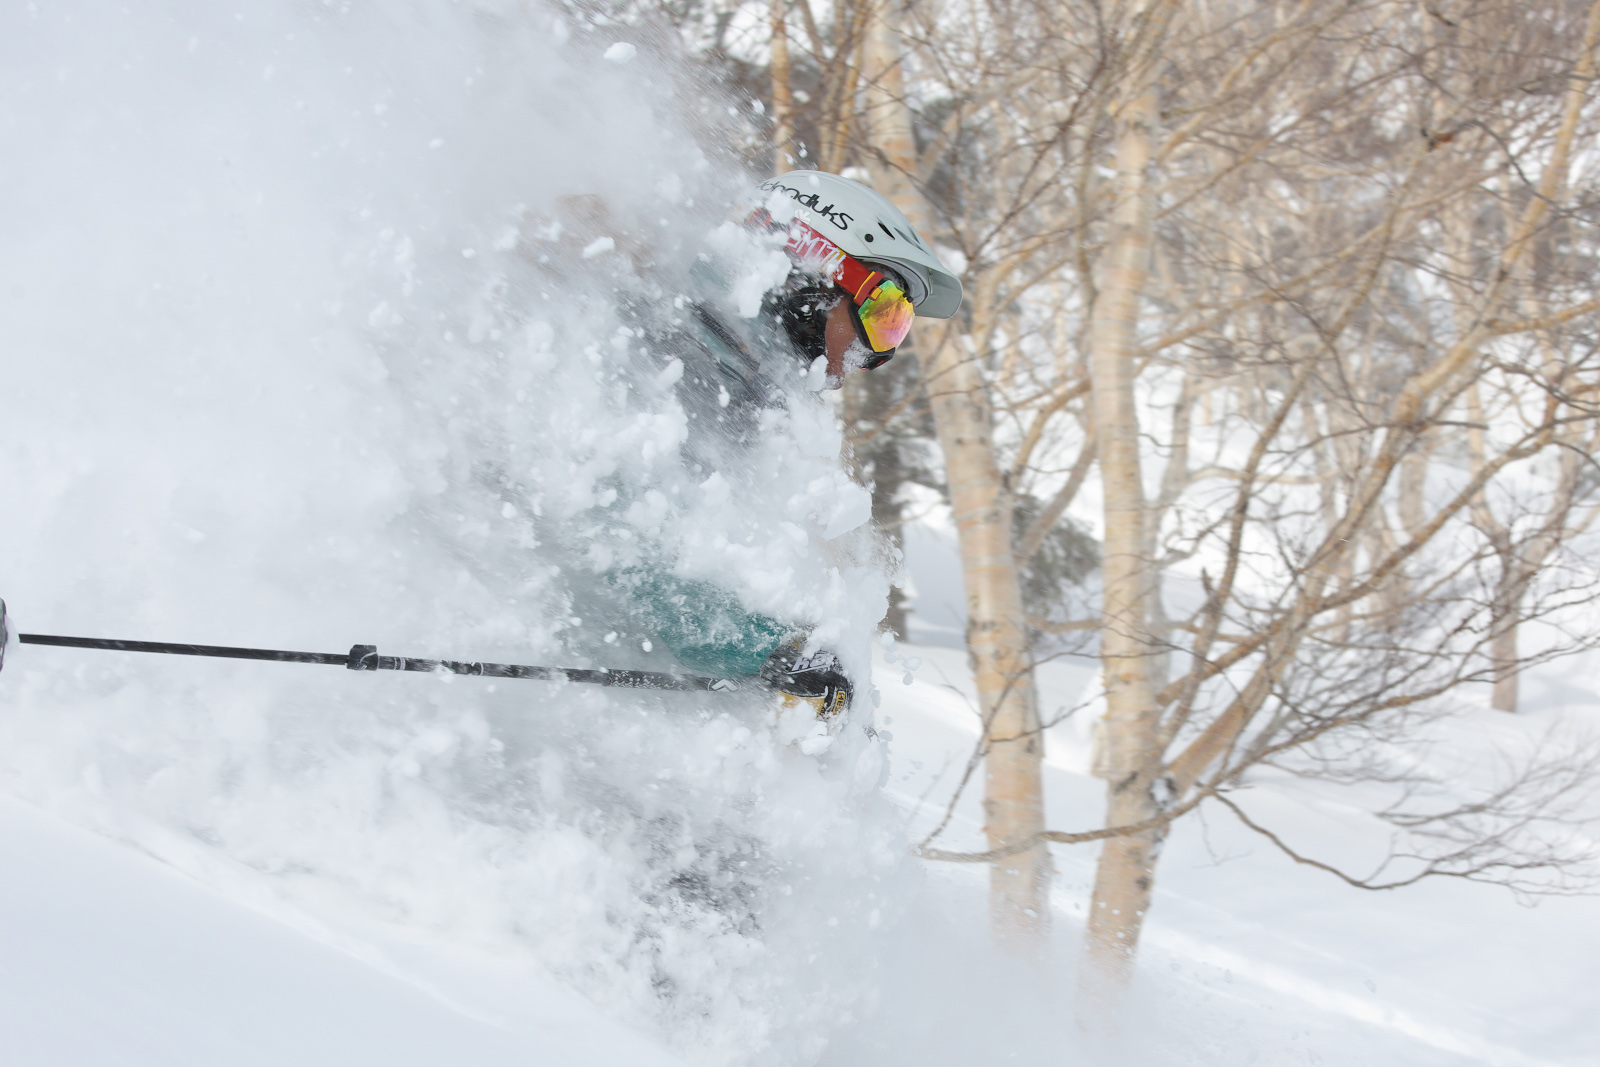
[(366, 658)]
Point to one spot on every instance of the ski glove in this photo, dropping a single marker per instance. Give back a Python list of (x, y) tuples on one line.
[(816, 679)]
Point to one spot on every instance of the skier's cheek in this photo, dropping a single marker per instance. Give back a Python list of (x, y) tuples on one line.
[(841, 338)]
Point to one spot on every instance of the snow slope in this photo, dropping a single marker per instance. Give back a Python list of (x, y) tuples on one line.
[(111, 957), (1249, 958), (108, 958)]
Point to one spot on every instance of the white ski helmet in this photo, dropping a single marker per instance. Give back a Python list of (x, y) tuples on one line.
[(867, 227)]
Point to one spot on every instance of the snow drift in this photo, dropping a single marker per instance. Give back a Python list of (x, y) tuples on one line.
[(312, 338)]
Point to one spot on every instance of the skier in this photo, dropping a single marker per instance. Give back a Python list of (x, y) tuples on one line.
[(859, 272)]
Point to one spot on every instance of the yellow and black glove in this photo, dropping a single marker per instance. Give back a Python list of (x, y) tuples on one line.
[(816, 679)]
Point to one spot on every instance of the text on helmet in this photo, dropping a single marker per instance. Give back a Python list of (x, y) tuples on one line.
[(810, 201)]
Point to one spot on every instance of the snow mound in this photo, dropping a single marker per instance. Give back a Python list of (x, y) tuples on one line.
[(322, 328), (112, 958)]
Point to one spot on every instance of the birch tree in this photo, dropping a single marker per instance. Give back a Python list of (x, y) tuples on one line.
[(1328, 298), (1298, 289)]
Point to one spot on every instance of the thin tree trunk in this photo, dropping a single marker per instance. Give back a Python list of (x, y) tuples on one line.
[(1131, 725), (997, 634), (1503, 659), (997, 643), (893, 158), (873, 401), (783, 148), (839, 108), (887, 122)]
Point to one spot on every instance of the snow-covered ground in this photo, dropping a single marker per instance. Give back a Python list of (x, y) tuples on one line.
[(109, 958), (112, 957), (1249, 958)]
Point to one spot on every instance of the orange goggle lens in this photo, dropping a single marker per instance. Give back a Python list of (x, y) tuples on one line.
[(885, 316)]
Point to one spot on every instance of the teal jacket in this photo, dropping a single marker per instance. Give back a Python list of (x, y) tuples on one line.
[(704, 627), (724, 389)]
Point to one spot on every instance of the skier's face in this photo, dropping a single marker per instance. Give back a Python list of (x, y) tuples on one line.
[(841, 337)]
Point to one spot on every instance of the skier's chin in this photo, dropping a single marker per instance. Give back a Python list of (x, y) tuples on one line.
[(855, 359), (821, 378)]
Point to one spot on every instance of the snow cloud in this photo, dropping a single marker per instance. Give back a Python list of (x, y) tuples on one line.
[(317, 332)]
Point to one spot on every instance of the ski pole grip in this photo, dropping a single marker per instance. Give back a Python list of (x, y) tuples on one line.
[(363, 658)]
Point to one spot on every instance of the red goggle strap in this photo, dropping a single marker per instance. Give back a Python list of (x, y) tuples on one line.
[(828, 259)]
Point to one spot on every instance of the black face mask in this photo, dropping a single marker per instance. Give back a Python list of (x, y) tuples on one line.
[(803, 314)]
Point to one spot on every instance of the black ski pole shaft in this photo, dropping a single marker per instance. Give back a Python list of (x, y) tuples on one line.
[(366, 658), (220, 651)]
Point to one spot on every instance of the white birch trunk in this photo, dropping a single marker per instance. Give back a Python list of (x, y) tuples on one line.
[(892, 160), (783, 148), (997, 644), (1130, 758), (997, 636), (1504, 662)]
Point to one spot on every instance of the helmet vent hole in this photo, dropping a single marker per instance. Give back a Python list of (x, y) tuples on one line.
[(888, 232)]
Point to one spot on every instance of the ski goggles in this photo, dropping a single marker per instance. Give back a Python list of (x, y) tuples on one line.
[(880, 308)]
